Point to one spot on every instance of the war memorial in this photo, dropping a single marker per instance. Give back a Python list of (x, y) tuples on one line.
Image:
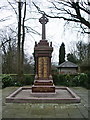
[(43, 89)]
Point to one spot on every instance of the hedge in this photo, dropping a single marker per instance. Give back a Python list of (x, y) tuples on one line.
[(82, 79), (11, 80)]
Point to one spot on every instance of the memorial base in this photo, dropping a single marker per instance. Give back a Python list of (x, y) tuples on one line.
[(62, 95), (43, 86)]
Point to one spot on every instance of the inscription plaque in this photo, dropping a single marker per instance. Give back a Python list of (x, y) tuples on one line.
[(43, 67)]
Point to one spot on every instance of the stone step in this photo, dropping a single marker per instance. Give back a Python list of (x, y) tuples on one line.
[(43, 82), (43, 88)]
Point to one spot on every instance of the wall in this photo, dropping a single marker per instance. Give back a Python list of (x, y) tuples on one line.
[(67, 70)]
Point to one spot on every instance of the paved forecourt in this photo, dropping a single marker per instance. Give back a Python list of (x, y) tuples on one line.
[(45, 110)]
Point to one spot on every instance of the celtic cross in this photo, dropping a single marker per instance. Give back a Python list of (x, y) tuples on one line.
[(43, 20)]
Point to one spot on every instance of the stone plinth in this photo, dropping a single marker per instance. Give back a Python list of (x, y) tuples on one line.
[(43, 79)]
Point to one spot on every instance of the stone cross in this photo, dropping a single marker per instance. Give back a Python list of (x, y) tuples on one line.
[(43, 20)]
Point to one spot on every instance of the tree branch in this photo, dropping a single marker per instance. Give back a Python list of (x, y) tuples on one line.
[(32, 30), (77, 17), (12, 7), (68, 19), (4, 19)]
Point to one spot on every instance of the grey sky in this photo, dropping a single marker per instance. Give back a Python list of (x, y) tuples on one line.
[(55, 30)]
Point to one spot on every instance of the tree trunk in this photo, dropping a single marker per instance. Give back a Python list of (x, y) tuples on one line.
[(23, 39), (19, 40)]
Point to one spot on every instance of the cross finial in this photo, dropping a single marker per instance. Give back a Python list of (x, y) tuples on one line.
[(43, 20)]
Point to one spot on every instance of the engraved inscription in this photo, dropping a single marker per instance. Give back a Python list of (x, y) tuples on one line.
[(43, 67), (40, 67), (45, 74)]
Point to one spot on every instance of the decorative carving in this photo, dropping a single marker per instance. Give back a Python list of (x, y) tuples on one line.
[(50, 44), (50, 77), (36, 77), (35, 43)]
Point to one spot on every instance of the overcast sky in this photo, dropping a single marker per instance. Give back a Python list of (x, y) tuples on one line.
[(55, 30)]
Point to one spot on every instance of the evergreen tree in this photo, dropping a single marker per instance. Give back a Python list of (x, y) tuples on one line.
[(72, 58), (62, 53)]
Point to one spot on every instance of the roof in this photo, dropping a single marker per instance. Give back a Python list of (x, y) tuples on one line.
[(67, 64)]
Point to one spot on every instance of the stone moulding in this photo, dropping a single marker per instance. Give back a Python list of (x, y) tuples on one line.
[(41, 97)]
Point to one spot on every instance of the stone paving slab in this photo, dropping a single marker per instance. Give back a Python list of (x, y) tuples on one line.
[(28, 110)]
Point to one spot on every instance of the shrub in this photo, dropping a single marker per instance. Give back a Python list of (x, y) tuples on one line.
[(28, 79), (83, 79), (68, 80), (87, 82), (75, 80), (59, 79), (7, 81), (55, 79), (11, 80)]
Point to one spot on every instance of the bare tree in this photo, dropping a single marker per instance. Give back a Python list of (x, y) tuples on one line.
[(8, 46), (81, 54), (9, 53), (21, 31), (71, 11)]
